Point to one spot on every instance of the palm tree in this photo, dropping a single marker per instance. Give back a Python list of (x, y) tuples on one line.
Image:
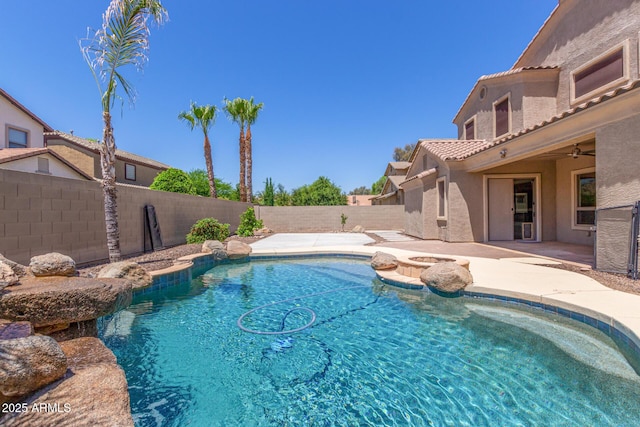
[(123, 40), (236, 111), (203, 116), (252, 111)]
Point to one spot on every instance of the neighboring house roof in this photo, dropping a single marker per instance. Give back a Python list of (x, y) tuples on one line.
[(501, 75), (453, 149), (397, 166), (388, 190), (421, 175), (12, 154), (25, 110), (95, 147)]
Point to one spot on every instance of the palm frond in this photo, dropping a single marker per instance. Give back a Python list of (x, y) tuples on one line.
[(123, 40)]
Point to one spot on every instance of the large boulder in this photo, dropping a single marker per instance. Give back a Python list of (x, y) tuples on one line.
[(8, 277), (358, 229), (19, 269), (10, 330), (52, 264), (128, 270), (215, 248), (58, 300), (262, 231), (237, 250), (26, 364), (383, 261), (447, 277), (94, 393)]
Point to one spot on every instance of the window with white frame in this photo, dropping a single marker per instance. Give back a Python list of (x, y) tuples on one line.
[(17, 138), (502, 116), (584, 198), (441, 188), (604, 72), (129, 172), (470, 129)]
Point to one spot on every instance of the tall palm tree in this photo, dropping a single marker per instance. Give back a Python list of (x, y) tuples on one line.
[(203, 116), (252, 111), (123, 40), (236, 111)]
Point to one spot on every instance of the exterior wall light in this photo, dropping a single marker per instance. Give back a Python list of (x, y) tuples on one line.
[(503, 153)]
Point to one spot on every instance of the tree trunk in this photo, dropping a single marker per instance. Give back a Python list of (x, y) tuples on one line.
[(249, 189), (209, 162), (108, 164), (243, 182)]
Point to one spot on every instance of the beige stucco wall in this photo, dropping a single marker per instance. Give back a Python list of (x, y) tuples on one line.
[(413, 207), (10, 115), (564, 207), (618, 153), (578, 32), (30, 164), (45, 214), (328, 218), (78, 158)]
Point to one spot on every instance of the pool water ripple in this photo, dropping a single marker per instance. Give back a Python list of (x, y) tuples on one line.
[(375, 356)]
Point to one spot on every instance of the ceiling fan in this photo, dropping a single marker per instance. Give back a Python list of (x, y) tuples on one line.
[(577, 152)]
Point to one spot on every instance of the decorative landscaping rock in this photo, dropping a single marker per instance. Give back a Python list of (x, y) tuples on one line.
[(383, 261), (86, 351), (52, 264), (215, 248), (93, 393), (237, 250), (211, 245), (7, 276), (19, 269), (358, 229), (127, 270), (447, 277), (11, 330), (262, 231), (55, 300), (26, 364)]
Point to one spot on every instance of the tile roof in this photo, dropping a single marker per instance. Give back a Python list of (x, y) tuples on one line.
[(95, 147), (501, 74), (572, 111), (420, 175), (453, 149), (12, 100)]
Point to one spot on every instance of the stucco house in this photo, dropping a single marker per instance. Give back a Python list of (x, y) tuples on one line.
[(41, 161), (20, 127), (392, 193), (85, 154), (548, 150)]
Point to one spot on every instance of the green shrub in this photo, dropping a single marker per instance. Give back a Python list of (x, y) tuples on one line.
[(207, 229), (248, 223), (173, 180)]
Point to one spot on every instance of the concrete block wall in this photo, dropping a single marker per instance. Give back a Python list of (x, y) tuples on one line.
[(289, 219), (41, 214)]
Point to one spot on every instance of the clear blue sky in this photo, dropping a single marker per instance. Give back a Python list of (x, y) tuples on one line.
[(343, 81)]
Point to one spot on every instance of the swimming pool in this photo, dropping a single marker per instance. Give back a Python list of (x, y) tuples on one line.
[(373, 356)]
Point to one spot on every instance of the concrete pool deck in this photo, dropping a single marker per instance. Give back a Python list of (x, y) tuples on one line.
[(522, 277)]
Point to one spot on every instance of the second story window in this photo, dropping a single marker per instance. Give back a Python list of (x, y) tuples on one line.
[(17, 138), (501, 114), (470, 129), (604, 72), (129, 172)]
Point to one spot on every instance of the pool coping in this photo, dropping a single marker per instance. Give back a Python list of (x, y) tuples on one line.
[(566, 293)]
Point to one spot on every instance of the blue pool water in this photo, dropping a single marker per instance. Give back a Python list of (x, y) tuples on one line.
[(374, 356)]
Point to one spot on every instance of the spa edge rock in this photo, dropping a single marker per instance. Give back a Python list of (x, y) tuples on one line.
[(448, 277)]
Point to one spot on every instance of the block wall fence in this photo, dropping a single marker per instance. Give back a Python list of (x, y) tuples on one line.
[(41, 214), (291, 219)]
